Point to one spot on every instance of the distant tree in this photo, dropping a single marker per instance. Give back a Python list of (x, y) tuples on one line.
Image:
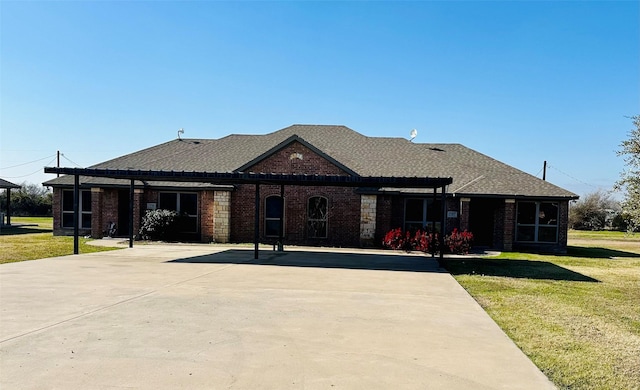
[(595, 211), (630, 178), (30, 200)]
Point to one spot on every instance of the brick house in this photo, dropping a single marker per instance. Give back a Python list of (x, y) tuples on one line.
[(504, 207)]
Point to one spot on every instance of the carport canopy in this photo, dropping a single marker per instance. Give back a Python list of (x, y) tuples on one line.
[(256, 179), (7, 185)]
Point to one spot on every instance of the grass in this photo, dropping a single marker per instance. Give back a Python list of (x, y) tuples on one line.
[(35, 240), (576, 316)]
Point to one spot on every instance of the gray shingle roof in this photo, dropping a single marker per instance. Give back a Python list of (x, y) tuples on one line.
[(7, 184), (473, 173)]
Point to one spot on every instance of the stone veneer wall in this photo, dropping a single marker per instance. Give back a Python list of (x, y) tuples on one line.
[(221, 216), (368, 207)]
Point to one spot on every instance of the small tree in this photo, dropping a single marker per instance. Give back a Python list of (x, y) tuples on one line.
[(630, 178), (593, 212)]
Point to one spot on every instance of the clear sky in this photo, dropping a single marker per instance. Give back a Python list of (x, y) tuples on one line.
[(520, 81)]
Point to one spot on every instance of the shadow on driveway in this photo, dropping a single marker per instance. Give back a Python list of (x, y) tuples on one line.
[(380, 262)]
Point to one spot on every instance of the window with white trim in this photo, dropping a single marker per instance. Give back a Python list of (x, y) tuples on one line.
[(537, 222), (273, 212), (419, 214), (186, 205), (84, 209), (317, 213)]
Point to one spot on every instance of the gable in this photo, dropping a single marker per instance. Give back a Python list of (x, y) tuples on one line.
[(296, 158)]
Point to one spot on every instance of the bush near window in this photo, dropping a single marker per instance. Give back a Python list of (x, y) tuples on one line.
[(456, 242), (459, 242), (159, 225)]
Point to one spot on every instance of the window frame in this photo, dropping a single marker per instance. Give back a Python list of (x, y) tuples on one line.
[(426, 222), (82, 209), (536, 225), (311, 220), (269, 219), (179, 207)]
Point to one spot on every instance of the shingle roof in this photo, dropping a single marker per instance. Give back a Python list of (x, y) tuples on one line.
[(7, 184), (473, 173)]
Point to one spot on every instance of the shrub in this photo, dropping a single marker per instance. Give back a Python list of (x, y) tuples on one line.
[(456, 242), (419, 241), (158, 225), (459, 242)]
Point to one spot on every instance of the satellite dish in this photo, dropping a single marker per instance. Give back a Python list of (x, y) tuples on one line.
[(181, 131), (413, 134)]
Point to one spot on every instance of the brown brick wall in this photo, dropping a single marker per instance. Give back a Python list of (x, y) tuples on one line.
[(343, 203), (205, 202), (343, 214), (284, 161)]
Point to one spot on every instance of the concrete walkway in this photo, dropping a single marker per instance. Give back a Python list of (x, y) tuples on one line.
[(207, 317)]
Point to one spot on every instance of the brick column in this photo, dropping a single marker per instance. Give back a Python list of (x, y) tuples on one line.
[(509, 224), (206, 216), (367, 219), (221, 216), (96, 212), (138, 195)]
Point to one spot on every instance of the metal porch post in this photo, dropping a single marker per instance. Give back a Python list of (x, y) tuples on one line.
[(281, 227), (76, 214), (256, 227), (131, 191), (443, 227), (8, 206)]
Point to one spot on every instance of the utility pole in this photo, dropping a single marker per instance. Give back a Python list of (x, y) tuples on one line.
[(544, 171), (58, 154)]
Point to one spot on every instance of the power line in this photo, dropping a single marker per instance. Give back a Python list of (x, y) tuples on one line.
[(571, 177), (27, 163), (32, 173), (67, 158)]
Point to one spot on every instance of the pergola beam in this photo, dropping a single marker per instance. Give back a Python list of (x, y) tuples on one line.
[(256, 179)]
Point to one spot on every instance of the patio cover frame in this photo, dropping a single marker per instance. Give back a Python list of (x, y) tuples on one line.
[(256, 179), (7, 185)]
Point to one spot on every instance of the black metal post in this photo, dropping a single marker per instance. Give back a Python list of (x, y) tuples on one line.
[(256, 227), (131, 191), (443, 223), (76, 214), (281, 227), (8, 206)]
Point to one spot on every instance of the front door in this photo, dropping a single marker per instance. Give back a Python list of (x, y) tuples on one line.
[(482, 217)]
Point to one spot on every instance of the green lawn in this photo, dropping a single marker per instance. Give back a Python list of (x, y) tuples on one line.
[(35, 240), (577, 316)]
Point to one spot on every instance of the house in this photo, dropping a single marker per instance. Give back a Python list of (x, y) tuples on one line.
[(505, 208)]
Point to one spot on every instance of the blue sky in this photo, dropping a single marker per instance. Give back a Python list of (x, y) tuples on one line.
[(520, 81)]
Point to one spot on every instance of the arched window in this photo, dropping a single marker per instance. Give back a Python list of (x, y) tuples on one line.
[(273, 212), (317, 211)]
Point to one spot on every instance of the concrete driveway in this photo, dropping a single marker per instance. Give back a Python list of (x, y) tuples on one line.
[(207, 317)]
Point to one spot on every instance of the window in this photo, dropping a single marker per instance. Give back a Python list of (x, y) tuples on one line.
[(420, 213), (186, 205), (273, 212), (317, 217), (84, 208), (537, 222)]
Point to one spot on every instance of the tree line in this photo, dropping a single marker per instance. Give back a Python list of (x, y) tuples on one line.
[(31, 200)]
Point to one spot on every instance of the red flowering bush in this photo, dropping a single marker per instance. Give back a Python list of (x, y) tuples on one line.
[(459, 242), (419, 241)]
